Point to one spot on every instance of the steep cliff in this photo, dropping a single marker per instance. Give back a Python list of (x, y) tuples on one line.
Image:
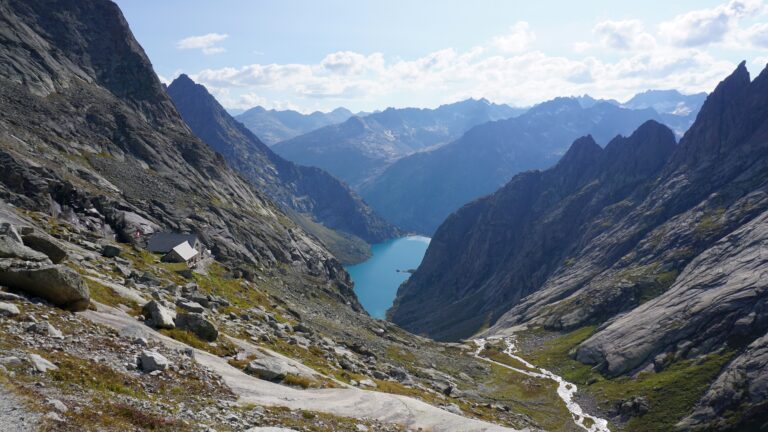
[(514, 239), (671, 266), (88, 132), (308, 191)]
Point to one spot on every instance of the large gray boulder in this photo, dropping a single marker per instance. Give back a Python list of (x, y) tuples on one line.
[(55, 283), (8, 309), (10, 248), (44, 245), (197, 324), (150, 361), (158, 316), (272, 368)]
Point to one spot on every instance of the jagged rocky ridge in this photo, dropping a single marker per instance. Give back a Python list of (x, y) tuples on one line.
[(361, 147), (520, 231), (308, 191), (88, 134), (673, 267), (273, 126), (94, 157), (418, 192)]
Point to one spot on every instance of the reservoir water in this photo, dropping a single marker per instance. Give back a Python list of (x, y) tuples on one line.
[(377, 279)]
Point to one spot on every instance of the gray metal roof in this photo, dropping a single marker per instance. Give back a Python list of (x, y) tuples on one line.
[(164, 242)]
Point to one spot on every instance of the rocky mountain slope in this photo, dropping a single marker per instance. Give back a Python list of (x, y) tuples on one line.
[(359, 148), (305, 191), (96, 333), (274, 126), (677, 110), (418, 192), (666, 255)]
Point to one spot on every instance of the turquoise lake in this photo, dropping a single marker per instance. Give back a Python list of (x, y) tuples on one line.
[(377, 279)]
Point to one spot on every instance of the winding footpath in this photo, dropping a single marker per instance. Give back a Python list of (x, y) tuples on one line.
[(346, 402), (565, 389)]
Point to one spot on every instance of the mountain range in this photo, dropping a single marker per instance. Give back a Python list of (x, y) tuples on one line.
[(419, 191), (655, 252), (273, 126), (361, 147), (310, 195)]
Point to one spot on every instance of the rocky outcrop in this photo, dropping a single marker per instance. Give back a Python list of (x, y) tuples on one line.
[(197, 324), (300, 189), (720, 297), (669, 263), (158, 316), (741, 388), (55, 283), (110, 155), (523, 230), (45, 245)]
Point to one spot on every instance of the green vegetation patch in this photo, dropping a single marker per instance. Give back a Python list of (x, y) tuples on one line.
[(671, 393)]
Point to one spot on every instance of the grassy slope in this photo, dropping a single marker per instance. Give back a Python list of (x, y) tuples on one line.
[(671, 393)]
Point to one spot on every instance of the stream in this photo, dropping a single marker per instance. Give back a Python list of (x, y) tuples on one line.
[(565, 389)]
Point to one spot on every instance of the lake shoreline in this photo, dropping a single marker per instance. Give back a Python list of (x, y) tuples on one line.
[(391, 263)]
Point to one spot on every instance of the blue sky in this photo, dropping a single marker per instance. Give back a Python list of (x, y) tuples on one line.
[(366, 55)]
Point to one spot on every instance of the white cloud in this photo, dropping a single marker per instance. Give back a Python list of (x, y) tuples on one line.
[(352, 63), (757, 35), (627, 35), (504, 69), (707, 26), (518, 39), (206, 43), (580, 47)]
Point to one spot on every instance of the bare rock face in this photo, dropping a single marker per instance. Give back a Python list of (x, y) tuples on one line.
[(297, 188), (55, 283), (721, 295), (742, 387), (488, 256), (131, 166)]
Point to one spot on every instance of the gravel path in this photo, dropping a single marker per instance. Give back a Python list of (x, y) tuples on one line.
[(345, 402), (14, 417)]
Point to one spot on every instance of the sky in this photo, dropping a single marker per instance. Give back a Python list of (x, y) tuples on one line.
[(366, 55)]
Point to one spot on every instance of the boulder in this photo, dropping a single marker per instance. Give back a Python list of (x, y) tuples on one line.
[(150, 361), (40, 364), (55, 283), (110, 251), (198, 325), (10, 248), (272, 368), (158, 316), (45, 329), (44, 245), (8, 310), (190, 306)]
